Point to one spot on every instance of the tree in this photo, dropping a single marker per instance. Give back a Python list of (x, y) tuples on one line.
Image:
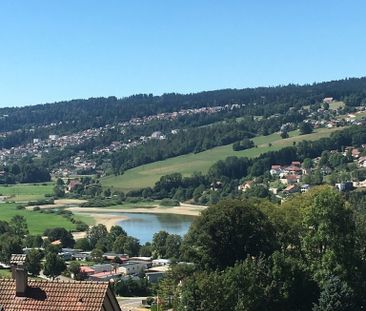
[(4, 227), (132, 246), (228, 232), (284, 134), (54, 265), (83, 244), (172, 246), (66, 238), (33, 241), (19, 226), (74, 268), (119, 244), (159, 244), (328, 240), (33, 261), (307, 163), (97, 255), (116, 231), (146, 250), (305, 128), (9, 244), (95, 233), (336, 296)]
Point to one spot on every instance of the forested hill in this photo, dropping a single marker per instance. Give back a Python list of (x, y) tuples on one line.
[(94, 112)]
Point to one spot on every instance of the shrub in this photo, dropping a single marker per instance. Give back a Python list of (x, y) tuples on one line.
[(169, 202)]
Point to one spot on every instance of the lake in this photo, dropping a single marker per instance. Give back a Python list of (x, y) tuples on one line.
[(143, 226)]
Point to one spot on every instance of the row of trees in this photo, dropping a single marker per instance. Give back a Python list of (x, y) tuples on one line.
[(24, 171)]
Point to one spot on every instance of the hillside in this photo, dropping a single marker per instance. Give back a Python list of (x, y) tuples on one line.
[(147, 175)]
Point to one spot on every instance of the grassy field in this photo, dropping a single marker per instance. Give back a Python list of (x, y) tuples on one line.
[(38, 222), (26, 192), (336, 105), (147, 175)]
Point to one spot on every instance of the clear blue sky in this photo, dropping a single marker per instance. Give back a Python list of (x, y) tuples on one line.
[(57, 50)]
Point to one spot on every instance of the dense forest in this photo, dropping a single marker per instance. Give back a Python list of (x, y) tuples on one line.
[(94, 112)]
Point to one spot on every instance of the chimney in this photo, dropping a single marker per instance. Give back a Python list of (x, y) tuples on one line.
[(21, 282), (19, 274)]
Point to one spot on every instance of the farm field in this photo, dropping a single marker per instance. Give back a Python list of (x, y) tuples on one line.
[(37, 222), (26, 192), (146, 175)]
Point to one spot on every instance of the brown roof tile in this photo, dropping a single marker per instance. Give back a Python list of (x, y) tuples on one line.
[(54, 295), (18, 259)]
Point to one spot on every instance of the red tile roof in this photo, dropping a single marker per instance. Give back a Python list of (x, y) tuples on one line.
[(54, 295)]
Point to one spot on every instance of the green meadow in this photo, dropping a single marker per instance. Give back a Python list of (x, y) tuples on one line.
[(146, 175), (26, 192), (37, 222)]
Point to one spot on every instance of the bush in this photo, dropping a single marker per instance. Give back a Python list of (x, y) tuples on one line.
[(246, 143), (20, 206), (42, 202), (81, 226), (133, 200), (169, 202), (36, 208)]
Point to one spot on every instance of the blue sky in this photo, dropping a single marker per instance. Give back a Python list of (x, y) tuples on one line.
[(59, 50)]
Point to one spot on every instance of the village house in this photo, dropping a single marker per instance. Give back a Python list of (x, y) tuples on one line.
[(344, 186), (305, 188), (276, 170), (328, 100), (20, 293), (245, 186), (290, 179), (73, 184), (359, 184), (291, 189), (362, 162), (132, 267)]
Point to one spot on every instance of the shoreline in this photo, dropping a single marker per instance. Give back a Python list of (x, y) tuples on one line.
[(183, 209), (112, 217)]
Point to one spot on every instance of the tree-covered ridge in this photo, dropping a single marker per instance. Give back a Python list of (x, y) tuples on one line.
[(95, 112)]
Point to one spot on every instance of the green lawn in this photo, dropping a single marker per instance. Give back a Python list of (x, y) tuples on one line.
[(146, 175), (26, 192), (37, 222), (5, 274)]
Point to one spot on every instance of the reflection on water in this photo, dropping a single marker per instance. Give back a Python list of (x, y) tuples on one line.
[(143, 226)]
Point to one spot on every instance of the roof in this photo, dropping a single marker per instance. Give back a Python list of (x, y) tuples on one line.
[(55, 295), (274, 167), (289, 188), (86, 269), (18, 259), (105, 274)]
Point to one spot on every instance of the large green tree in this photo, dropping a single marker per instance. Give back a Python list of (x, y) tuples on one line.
[(54, 265), (228, 232)]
